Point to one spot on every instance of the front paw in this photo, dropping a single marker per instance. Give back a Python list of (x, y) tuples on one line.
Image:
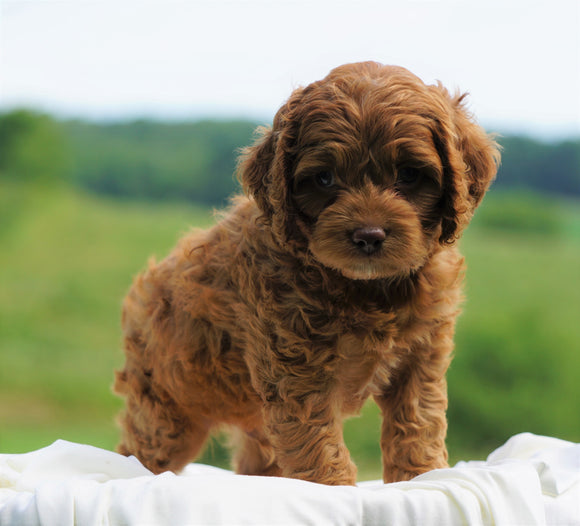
[(400, 474), (331, 475)]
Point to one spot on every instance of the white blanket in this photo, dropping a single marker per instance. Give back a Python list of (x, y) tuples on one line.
[(529, 480)]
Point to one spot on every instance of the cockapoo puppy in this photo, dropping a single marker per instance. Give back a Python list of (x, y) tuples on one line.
[(334, 279)]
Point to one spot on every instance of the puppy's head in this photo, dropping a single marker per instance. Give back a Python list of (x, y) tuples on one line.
[(369, 170)]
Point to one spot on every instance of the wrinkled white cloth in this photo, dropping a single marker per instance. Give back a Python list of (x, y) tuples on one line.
[(529, 480)]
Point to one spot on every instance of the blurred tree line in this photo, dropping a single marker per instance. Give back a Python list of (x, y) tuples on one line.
[(195, 161)]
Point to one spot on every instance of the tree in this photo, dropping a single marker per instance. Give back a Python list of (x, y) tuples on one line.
[(33, 148)]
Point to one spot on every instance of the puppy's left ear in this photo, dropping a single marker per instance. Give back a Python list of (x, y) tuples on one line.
[(481, 153), (472, 160)]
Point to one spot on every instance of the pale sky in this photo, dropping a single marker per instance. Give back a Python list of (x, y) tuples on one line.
[(102, 59)]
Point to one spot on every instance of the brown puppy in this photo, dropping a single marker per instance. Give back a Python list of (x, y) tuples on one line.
[(335, 280)]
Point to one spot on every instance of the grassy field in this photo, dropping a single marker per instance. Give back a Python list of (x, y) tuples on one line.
[(67, 259)]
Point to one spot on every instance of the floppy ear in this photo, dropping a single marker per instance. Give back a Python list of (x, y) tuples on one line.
[(471, 158), (481, 153), (264, 169), (254, 166)]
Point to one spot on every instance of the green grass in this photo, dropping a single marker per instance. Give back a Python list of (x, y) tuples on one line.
[(517, 342), (67, 259), (65, 266)]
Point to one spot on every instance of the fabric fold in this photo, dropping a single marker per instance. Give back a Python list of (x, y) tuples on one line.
[(529, 480)]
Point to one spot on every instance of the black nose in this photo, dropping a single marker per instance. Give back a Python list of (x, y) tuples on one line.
[(369, 239)]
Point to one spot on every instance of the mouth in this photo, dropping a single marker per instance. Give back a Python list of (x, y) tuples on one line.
[(370, 252), (362, 271), (367, 237)]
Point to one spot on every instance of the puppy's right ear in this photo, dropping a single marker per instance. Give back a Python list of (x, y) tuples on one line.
[(264, 169), (254, 166)]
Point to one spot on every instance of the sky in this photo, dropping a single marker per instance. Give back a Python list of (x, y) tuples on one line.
[(118, 59)]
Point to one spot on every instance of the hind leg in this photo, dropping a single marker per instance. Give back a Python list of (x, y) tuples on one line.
[(253, 454), (157, 431)]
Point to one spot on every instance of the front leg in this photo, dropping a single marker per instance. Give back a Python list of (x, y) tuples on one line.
[(302, 418), (413, 406), (308, 442)]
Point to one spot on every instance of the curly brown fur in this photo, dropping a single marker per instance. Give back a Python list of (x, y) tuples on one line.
[(335, 279)]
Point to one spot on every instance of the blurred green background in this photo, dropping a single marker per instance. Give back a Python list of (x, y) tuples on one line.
[(83, 206)]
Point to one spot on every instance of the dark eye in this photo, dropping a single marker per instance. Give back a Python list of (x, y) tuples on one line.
[(325, 179), (408, 176)]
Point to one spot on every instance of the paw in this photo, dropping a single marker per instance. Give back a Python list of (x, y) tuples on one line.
[(331, 475), (397, 474)]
